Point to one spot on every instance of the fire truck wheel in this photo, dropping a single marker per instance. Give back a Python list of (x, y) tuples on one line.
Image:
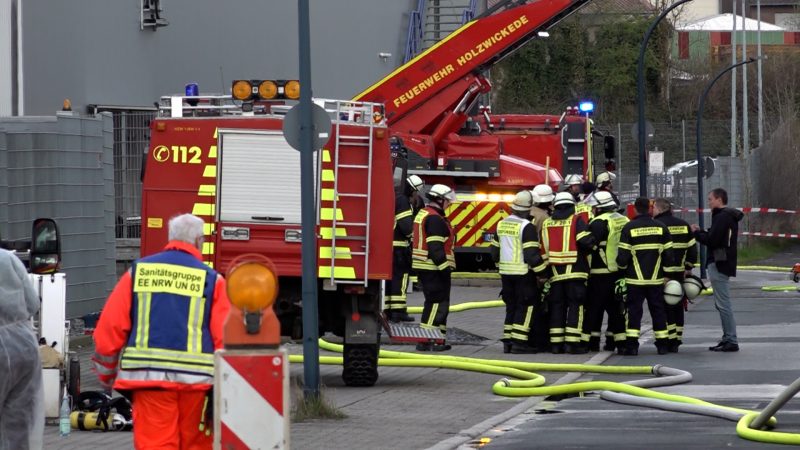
[(360, 364)]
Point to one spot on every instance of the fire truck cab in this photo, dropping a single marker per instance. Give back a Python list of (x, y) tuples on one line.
[(228, 162)]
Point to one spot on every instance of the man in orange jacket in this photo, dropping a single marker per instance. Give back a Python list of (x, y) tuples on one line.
[(156, 339)]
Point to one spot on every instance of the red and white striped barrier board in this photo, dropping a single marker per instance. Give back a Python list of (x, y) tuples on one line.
[(744, 210), (251, 399), (779, 235)]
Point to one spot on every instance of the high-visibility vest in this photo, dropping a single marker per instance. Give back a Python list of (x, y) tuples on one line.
[(419, 252), (559, 240), (583, 211), (509, 235), (609, 248), (170, 337)]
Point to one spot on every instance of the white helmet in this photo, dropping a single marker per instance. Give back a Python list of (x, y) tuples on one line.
[(441, 191), (542, 193), (693, 286), (605, 177), (573, 179), (415, 182), (603, 199), (523, 201), (564, 198), (673, 292)]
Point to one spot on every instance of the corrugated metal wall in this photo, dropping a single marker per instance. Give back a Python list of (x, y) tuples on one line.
[(62, 167)]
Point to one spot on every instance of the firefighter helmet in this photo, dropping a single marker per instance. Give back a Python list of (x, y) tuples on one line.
[(604, 199), (415, 182), (441, 191), (564, 198), (573, 180), (604, 179), (673, 292), (523, 201), (693, 286), (542, 193)]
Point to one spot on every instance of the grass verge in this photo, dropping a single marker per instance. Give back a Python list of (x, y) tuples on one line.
[(308, 408), (759, 249)]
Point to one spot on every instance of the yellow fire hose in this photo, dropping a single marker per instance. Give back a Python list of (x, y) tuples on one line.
[(528, 383)]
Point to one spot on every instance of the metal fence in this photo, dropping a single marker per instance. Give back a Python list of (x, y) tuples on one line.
[(131, 138)]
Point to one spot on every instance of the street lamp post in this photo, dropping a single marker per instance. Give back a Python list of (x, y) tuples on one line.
[(640, 97), (700, 166)]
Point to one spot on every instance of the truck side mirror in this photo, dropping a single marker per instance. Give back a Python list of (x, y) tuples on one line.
[(609, 146), (45, 247)]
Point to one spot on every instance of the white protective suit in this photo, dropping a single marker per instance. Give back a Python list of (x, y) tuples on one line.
[(21, 394)]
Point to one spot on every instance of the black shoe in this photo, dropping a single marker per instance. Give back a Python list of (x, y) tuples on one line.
[(441, 347), (726, 347), (557, 349), (424, 347), (507, 347), (594, 346), (621, 350), (403, 316), (716, 348), (391, 316), (523, 349), (673, 347), (631, 352), (662, 349), (610, 346)]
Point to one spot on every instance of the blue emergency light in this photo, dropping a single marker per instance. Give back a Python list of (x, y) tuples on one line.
[(192, 90), (586, 107)]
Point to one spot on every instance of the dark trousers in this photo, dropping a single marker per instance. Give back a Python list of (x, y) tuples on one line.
[(436, 289), (566, 311), (655, 303), (520, 295), (396, 288), (600, 299), (675, 313)]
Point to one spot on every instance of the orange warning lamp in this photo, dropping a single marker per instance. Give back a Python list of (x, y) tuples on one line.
[(252, 288)]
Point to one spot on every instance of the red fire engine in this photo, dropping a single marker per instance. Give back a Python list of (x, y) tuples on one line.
[(486, 158), (234, 169)]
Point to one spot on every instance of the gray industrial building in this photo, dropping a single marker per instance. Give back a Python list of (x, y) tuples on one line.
[(124, 53), (114, 60)]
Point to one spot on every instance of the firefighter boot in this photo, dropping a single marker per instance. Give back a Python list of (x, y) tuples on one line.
[(441, 347), (631, 347), (594, 344), (424, 347), (673, 345), (556, 349), (402, 316), (520, 348), (506, 345), (576, 349), (662, 346)]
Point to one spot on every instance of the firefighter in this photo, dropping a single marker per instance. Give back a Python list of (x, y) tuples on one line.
[(644, 249), (684, 258), (572, 184), (401, 254), (542, 204), (433, 259), (156, 337), (566, 241), (516, 250), (542, 207), (606, 227), (605, 182)]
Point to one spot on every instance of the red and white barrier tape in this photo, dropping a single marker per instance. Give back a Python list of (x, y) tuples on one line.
[(779, 235), (744, 210)]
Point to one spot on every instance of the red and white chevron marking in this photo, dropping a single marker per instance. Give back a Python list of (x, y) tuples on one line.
[(251, 399), (778, 235), (744, 210)]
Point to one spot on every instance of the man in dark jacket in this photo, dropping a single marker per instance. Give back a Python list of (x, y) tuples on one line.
[(404, 212), (721, 241)]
